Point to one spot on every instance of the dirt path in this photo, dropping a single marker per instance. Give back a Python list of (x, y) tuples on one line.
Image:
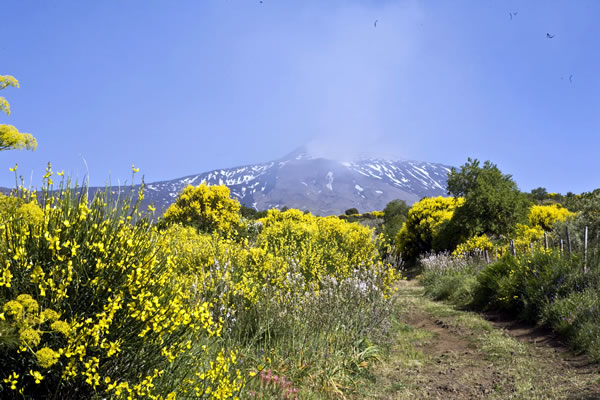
[(443, 353)]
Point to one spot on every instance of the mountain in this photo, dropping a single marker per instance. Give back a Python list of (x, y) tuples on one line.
[(322, 186)]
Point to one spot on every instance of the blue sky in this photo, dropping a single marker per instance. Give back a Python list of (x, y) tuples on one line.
[(186, 86)]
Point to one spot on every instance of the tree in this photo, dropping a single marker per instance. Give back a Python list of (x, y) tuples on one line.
[(10, 137), (539, 194), (207, 208), (394, 215), (351, 211), (493, 203), (248, 212)]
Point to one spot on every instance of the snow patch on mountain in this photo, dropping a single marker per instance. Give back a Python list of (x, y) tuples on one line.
[(330, 181), (302, 181)]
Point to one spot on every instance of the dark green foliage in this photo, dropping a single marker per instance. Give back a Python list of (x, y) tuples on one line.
[(579, 202), (351, 211), (251, 213), (588, 214), (493, 203), (575, 317), (450, 234), (539, 195), (394, 209), (248, 212), (394, 215), (528, 283)]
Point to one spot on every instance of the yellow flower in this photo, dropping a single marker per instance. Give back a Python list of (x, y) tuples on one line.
[(29, 304), (36, 375), (50, 315), (46, 357), (62, 327), (14, 309), (134, 169), (13, 169), (61, 173), (30, 337), (546, 216), (12, 380)]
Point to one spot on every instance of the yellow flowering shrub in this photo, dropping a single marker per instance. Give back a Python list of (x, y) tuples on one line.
[(17, 208), (96, 302), (378, 214), (319, 245), (221, 268), (525, 235), (207, 208), (421, 227), (474, 244), (546, 216), (93, 302), (10, 137)]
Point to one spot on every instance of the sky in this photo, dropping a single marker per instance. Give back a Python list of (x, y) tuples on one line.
[(187, 86)]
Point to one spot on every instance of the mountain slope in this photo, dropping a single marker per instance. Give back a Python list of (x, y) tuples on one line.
[(320, 185)]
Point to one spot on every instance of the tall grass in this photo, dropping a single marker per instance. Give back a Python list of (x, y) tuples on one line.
[(544, 287)]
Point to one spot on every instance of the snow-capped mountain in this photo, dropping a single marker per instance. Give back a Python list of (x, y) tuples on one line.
[(320, 185)]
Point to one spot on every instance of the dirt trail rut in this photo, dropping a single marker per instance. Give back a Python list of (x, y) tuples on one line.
[(443, 353)]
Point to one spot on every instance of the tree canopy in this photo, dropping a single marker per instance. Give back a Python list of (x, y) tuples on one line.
[(493, 203), (394, 215)]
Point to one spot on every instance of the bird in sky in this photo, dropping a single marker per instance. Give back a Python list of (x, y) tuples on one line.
[(549, 36), (375, 23), (571, 78), (513, 14)]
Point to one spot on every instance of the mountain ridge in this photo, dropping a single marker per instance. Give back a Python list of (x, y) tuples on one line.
[(320, 185)]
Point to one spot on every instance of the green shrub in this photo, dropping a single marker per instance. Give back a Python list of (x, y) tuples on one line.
[(351, 211), (450, 278), (575, 317), (394, 215)]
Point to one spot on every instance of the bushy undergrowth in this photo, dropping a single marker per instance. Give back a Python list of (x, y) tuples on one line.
[(450, 278), (95, 302), (306, 301), (545, 286)]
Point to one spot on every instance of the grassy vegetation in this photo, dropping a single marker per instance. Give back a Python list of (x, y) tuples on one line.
[(543, 287), (440, 351), (96, 301), (99, 301)]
